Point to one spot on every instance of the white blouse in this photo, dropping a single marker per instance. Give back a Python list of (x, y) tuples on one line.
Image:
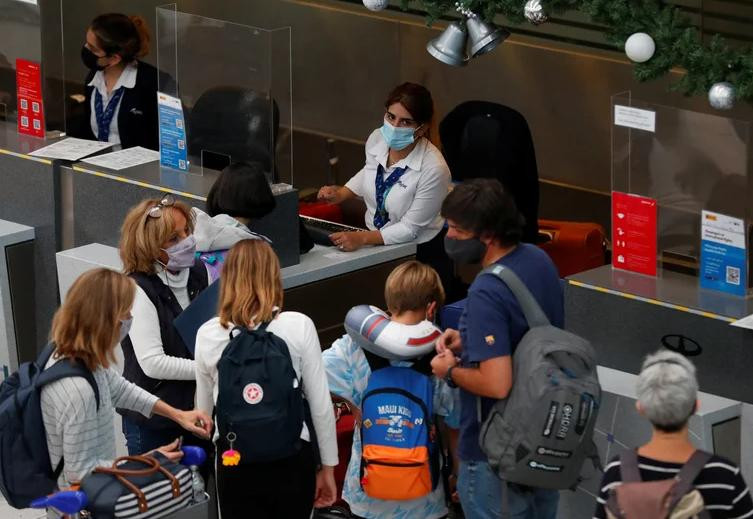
[(146, 336), (127, 79), (414, 202), (299, 333)]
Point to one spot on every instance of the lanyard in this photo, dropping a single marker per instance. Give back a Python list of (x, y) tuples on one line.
[(104, 117), (382, 190)]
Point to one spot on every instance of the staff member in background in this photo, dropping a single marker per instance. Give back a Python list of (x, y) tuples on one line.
[(121, 90), (403, 183), (158, 249)]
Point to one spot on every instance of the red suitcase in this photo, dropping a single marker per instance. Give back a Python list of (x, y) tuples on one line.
[(345, 426), (573, 246), (321, 210)]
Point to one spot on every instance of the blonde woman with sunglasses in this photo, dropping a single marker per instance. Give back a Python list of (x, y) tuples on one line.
[(157, 248)]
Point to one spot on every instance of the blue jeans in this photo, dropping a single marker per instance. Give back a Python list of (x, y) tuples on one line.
[(140, 440), (480, 493)]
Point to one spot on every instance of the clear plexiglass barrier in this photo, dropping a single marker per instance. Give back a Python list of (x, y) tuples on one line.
[(234, 84), (689, 162)]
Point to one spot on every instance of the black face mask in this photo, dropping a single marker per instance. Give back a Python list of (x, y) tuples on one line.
[(469, 251), (90, 59)]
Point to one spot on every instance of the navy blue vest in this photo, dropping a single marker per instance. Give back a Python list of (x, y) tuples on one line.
[(177, 393)]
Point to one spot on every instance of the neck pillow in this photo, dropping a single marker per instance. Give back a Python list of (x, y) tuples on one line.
[(374, 331)]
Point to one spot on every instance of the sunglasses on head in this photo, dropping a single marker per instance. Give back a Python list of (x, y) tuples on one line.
[(156, 211)]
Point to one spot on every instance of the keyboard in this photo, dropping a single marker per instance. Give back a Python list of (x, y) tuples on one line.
[(319, 229)]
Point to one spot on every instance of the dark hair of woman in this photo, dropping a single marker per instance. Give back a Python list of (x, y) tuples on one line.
[(415, 98), (242, 190), (126, 36)]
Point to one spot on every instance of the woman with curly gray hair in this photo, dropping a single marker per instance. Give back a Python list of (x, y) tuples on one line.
[(667, 391)]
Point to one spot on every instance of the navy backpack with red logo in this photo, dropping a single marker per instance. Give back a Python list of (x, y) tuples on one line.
[(260, 406)]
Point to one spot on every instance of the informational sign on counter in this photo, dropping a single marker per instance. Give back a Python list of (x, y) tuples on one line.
[(635, 118), (172, 133), (29, 98), (723, 255), (634, 233)]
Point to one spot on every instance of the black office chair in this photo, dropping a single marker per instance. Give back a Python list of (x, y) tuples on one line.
[(489, 140), (233, 124), (229, 123)]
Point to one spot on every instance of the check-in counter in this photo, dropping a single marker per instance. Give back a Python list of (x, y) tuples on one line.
[(99, 198), (626, 316), (17, 324), (324, 285), (30, 195)]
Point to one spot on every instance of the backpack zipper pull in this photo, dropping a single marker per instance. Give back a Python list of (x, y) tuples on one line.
[(231, 457)]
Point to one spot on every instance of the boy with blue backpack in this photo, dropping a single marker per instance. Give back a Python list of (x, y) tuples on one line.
[(381, 367)]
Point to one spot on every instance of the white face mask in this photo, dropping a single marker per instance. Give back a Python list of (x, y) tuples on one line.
[(182, 255), (125, 327)]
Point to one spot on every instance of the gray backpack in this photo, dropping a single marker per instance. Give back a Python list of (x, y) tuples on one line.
[(541, 434)]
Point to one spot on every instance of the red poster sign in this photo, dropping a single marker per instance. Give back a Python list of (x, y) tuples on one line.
[(29, 98), (634, 233)]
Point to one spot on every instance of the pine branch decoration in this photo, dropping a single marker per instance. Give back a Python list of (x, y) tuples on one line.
[(678, 42)]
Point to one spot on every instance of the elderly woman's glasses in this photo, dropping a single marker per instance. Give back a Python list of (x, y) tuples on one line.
[(156, 211)]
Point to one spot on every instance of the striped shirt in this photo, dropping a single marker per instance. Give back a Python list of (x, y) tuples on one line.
[(76, 430), (720, 483)]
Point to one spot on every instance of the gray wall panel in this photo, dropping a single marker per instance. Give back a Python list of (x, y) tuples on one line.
[(28, 195)]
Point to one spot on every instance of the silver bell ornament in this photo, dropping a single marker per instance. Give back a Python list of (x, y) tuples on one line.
[(534, 12), (722, 95), (484, 37), (450, 46), (376, 5)]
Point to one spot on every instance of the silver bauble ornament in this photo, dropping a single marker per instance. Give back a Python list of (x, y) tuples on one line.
[(534, 12), (722, 95), (376, 5)]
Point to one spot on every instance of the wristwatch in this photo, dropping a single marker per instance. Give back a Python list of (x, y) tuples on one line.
[(448, 377)]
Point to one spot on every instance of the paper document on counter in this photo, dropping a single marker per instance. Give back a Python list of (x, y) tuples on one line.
[(123, 159), (71, 149)]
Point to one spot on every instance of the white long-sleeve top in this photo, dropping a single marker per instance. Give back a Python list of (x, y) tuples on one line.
[(413, 203), (299, 333), (79, 433), (145, 332)]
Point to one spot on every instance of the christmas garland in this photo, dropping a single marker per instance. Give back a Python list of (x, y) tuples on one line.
[(678, 42)]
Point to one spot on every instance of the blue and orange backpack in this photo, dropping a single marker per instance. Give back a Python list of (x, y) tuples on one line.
[(400, 454)]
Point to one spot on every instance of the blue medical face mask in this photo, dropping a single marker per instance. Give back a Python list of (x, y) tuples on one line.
[(397, 138)]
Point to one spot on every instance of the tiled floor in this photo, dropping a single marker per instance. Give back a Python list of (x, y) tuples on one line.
[(6, 512)]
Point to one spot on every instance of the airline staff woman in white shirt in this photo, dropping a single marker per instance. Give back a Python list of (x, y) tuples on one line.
[(405, 178)]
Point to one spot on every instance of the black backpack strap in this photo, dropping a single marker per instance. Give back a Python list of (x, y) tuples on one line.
[(688, 473), (66, 368), (423, 365), (45, 354), (630, 472), (263, 326)]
